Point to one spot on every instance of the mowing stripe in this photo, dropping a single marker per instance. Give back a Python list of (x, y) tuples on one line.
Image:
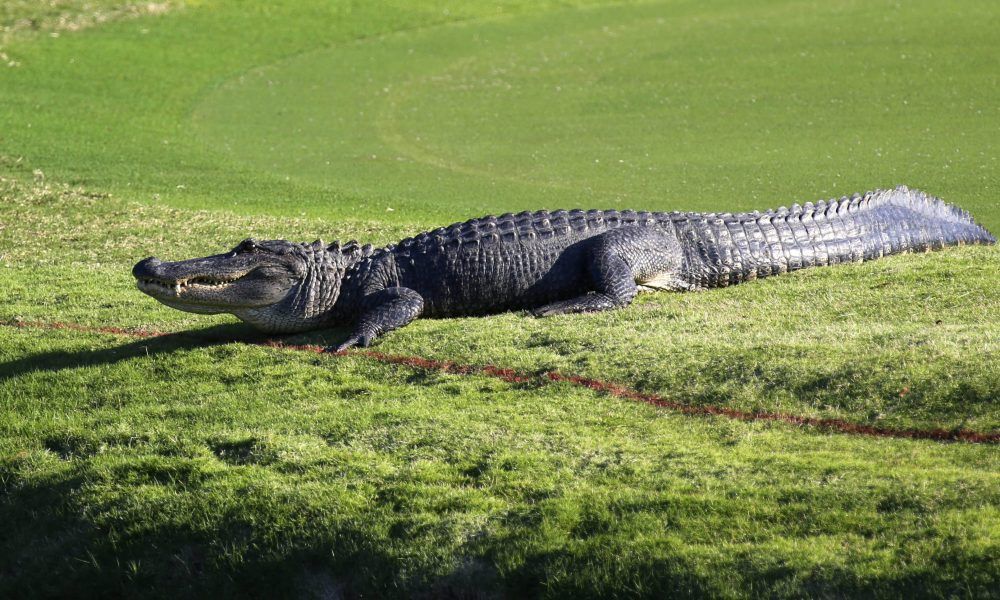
[(612, 389)]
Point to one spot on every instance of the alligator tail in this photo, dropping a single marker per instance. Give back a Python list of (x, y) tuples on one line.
[(737, 248), (928, 223)]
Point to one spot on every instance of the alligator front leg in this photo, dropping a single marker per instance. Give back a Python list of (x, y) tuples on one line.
[(387, 309)]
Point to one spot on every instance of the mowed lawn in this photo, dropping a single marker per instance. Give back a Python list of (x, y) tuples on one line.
[(197, 464)]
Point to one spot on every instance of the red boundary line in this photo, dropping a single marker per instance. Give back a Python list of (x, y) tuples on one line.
[(612, 389)]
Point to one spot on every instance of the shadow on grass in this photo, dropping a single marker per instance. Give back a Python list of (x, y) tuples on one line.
[(58, 360), (54, 545), (51, 549)]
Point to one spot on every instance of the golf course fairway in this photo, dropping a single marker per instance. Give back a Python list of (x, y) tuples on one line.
[(827, 433)]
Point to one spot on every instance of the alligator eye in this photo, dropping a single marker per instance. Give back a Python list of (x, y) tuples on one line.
[(247, 245)]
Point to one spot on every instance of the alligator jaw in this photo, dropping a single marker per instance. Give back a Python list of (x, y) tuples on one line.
[(221, 283), (202, 282), (161, 288)]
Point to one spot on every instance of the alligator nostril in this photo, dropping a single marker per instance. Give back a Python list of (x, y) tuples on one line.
[(144, 268)]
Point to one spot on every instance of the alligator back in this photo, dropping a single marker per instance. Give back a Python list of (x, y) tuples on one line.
[(509, 261), (505, 262)]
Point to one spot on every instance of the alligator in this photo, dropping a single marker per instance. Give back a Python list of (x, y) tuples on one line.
[(548, 263)]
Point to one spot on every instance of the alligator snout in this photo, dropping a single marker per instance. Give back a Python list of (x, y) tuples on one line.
[(146, 268)]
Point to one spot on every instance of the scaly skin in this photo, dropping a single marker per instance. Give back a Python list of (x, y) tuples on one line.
[(547, 262)]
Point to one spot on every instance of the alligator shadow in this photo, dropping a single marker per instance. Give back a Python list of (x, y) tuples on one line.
[(59, 360), (51, 548)]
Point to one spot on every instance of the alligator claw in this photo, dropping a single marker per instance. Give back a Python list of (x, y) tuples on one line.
[(551, 311), (342, 347), (361, 341)]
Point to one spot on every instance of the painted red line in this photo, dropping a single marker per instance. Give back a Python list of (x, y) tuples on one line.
[(136, 333), (612, 389), (838, 425)]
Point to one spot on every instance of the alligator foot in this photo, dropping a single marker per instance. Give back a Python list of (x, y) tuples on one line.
[(360, 341), (586, 303)]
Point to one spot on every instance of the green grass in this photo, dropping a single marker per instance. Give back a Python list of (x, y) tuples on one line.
[(184, 466)]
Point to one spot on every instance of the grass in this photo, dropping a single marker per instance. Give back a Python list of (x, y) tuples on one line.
[(182, 465)]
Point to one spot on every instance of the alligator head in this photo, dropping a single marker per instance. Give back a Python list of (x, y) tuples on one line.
[(274, 285)]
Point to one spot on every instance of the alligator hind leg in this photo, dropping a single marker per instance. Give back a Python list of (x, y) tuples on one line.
[(616, 261), (615, 284), (388, 309)]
